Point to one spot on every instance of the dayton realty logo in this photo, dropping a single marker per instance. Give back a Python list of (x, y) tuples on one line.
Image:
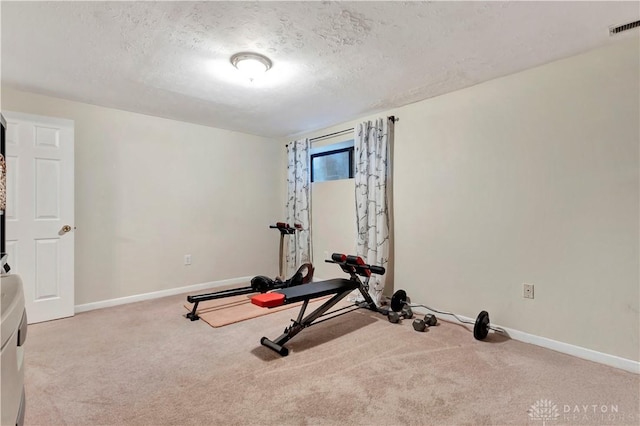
[(544, 410), (606, 413)]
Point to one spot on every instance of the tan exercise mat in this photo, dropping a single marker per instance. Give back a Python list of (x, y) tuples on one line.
[(229, 310)]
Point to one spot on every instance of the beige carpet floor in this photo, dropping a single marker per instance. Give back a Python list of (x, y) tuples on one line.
[(145, 364)]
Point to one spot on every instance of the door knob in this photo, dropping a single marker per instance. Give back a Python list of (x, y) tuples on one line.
[(64, 229)]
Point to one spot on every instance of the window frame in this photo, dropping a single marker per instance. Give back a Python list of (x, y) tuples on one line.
[(349, 149)]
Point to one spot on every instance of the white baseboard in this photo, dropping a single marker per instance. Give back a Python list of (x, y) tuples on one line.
[(157, 294), (565, 348), (577, 351)]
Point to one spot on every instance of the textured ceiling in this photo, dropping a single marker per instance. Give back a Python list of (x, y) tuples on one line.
[(332, 61)]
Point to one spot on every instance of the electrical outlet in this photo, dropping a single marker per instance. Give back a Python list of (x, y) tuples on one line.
[(187, 259), (527, 291)]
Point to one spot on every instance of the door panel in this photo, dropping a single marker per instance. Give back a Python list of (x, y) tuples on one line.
[(47, 274), (47, 189), (47, 137)]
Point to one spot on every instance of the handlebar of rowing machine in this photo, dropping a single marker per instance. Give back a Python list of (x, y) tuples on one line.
[(286, 226)]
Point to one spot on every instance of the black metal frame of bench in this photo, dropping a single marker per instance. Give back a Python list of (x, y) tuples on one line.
[(339, 287)]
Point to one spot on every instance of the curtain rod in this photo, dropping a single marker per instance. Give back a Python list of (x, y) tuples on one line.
[(341, 132)]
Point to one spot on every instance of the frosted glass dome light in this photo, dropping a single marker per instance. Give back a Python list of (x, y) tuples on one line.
[(250, 64)]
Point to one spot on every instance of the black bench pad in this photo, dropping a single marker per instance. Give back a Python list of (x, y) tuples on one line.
[(317, 289)]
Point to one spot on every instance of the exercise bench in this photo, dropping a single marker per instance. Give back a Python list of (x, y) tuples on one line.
[(338, 287)]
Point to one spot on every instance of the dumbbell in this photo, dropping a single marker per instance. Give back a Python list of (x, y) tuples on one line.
[(421, 324), (481, 326), (406, 313), (399, 307)]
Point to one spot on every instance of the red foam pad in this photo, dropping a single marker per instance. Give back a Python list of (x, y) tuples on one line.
[(268, 300)]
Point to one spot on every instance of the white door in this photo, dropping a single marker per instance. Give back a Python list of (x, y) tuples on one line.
[(39, 222)]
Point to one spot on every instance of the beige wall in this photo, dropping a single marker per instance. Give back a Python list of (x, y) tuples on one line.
[(530, 178), (333, 223), (150, 190)]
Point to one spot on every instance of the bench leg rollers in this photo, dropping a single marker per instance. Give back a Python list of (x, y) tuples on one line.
[(281, 350)]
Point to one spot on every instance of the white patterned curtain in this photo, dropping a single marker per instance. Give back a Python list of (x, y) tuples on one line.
[(372, 140), (298, 204)]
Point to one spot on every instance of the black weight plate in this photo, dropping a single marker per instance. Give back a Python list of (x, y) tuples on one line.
[(398, 300), (481, 328)]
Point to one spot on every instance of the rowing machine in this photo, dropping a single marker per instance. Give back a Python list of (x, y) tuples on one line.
[(339, 288), (259, 284)]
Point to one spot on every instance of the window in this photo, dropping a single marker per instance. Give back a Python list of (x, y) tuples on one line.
[(332, 162)]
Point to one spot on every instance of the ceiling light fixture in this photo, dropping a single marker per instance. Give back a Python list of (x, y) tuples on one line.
[(251, 64)]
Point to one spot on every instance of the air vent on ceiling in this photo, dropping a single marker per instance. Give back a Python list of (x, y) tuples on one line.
[(625, 27)]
